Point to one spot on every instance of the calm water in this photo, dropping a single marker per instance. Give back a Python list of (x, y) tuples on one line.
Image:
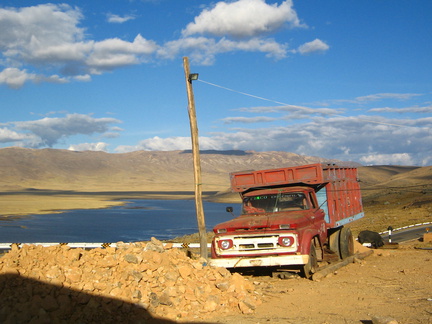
[(138, 220)]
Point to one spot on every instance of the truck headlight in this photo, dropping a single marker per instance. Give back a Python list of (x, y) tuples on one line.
[(286, 241), (225, 244)]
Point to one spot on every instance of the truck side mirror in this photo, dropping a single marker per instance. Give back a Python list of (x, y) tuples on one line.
[(230, 210)]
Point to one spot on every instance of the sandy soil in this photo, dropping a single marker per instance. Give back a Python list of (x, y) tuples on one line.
[(392, 284), (51, 201)]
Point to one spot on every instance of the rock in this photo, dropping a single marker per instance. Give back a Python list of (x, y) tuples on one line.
[(49, 303), (131, 258), (383, 320), (427, 237), (244, 308), (135, 281)]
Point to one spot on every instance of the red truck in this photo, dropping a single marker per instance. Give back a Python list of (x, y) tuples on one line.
[(290, 217)]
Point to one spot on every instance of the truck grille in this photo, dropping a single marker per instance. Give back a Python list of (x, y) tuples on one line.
[(259, 244), (256, 246)]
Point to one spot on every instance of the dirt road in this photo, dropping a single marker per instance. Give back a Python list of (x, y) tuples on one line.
[(389, 283)]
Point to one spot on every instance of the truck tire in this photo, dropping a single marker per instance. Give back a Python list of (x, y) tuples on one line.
[(310, 268), (333, 241), (346, 243)]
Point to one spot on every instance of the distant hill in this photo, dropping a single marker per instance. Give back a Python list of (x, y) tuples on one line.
[(383, 180), (392, 195), (22, 168)]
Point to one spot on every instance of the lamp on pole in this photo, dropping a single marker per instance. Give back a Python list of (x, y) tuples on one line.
[(196, 158)]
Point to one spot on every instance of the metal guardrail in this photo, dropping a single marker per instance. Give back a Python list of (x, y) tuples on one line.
[(86, 245), (406, 227)]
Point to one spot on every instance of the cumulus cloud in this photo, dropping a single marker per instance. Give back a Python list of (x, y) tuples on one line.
[(158, 144), (113, 53), (316, 45), (30, 48), (395, 159), (241, 25), (294, 109), (381, 96), (243, 18), (15, 78), (10, 136), (247, 120), (28, 39), (375, 97), (340, 137), (415, 109), (203, 50), (100, 146), (112, 18), (49, 131)]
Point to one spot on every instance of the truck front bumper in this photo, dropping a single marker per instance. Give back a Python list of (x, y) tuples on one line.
[(266, 261)]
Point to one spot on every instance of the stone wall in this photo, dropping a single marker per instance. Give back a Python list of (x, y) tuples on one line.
[(133, 283)]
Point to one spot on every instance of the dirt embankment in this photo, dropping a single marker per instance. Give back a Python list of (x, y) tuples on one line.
[(133, 283), (149, 283)]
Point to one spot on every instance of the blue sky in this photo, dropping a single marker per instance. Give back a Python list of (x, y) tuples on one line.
[(349, 80)]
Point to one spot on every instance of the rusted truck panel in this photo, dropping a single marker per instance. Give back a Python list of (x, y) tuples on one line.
[(290, 216), (337, 187)]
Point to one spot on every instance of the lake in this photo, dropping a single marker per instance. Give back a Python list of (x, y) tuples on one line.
[(138, 220)]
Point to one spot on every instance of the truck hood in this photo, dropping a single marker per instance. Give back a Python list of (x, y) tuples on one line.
[(266, 222)]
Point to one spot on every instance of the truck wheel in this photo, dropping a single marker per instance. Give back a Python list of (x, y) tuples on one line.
[(346, 243), (310, 268), (334, 242)]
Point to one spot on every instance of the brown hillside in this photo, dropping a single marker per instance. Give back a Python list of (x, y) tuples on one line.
[(40, 181), (395, 196), (135, 171)]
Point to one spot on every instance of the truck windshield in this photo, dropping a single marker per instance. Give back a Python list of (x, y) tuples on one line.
[(274, 203)]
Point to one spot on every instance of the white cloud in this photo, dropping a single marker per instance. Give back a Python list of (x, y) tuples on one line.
[(31, 49), (114, 53), (374, 97), (394, 159), (112, 18), (48, 131), (10, 136), (344, 138), (294, 109), (159, 144), (243, 18), (30, 29), (28, 38), (316, 45), (239, 25), (381, 96), (100, 146), (409, 110), (15, 78), (203, 50), (83, 78), (247, 120)]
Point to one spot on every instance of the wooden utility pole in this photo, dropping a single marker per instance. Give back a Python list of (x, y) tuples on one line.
[(196, 161)]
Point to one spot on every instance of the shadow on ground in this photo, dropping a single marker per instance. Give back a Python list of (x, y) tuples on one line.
[(24, 300)]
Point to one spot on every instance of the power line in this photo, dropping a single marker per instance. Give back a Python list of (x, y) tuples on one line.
[(285, 104), (243, 93)]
